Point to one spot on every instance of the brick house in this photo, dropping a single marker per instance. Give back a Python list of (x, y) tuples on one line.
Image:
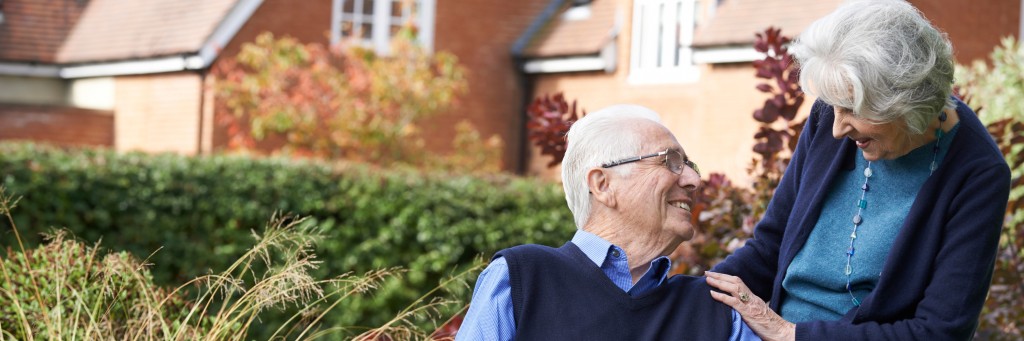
[(135, 75), (697, 73)]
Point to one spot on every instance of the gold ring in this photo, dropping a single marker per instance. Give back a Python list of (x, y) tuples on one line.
[(744, 298)]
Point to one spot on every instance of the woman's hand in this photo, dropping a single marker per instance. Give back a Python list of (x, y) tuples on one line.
[(755, 312)]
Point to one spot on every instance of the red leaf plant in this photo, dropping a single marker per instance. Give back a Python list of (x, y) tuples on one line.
[(549, 119)]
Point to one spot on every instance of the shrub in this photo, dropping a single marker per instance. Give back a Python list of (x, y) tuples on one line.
[(998, 89), (66, 290), (199, 211)]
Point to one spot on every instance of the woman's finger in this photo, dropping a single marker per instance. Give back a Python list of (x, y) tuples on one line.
[(723, 285), (724, 277), (728, 300)]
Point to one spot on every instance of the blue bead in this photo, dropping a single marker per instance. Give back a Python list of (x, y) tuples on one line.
[(862, 203)]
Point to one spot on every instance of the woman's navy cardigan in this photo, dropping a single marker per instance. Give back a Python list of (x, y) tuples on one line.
[(935, 279)]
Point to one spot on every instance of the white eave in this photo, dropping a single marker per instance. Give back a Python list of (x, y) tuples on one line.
[(30, 70), (202, 59), (726, 54), (602, 61), (568, 64)]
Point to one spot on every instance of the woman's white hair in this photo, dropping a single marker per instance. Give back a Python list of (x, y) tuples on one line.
[(897, 65), (599, 137)]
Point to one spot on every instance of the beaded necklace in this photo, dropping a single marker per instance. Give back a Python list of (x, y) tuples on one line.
[(862, 204)]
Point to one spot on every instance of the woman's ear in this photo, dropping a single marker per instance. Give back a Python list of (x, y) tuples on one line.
[(599, 183)]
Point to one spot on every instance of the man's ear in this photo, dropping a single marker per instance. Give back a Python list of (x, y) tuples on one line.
[(599, 182)]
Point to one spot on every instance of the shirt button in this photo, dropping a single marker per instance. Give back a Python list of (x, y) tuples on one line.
[(616, 253)]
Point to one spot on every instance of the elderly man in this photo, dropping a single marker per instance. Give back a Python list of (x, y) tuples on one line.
[(629, 185)]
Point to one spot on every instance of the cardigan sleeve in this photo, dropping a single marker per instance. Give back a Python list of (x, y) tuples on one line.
[(949, 306), (757, 262)]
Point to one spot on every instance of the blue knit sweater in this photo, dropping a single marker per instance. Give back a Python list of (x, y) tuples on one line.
[(935, 278), (815, 282)]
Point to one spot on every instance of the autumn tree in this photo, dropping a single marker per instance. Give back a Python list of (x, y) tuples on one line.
[(344, 102)]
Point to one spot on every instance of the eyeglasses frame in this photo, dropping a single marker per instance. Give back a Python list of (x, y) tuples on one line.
[(686, 161)]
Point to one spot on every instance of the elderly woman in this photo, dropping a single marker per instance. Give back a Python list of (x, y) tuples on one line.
[(884, 227)]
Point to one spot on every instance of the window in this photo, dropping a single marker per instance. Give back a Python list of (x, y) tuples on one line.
[(662, 34), (375, 22)]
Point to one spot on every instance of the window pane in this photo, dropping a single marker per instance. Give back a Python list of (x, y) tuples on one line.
[(374, 21), (346, 29), (367, 7), (399, 8), (367, 31)]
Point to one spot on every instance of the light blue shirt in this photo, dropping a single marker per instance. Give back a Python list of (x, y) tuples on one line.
[(490, 313)]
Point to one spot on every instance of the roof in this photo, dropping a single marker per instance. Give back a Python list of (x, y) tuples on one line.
[(565, 35), (736, 21), (34, 30), (92, 38), (118, 29)]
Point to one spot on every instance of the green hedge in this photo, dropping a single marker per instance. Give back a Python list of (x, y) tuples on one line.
[(200, 211)]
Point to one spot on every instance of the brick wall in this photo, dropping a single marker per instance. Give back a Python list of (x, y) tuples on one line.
[(158, 113), (309, 22), (58, 125), (974, 27), (481, 34)]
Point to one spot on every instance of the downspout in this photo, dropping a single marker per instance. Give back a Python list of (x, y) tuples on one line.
[(524, 141), (202, 110), (518, 60)]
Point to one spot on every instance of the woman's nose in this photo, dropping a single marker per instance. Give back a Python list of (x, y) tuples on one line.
[(840, 128)]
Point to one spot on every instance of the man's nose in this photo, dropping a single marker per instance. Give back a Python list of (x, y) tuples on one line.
[(689, 179)]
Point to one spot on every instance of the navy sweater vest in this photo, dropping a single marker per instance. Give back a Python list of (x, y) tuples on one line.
[(558, 294)]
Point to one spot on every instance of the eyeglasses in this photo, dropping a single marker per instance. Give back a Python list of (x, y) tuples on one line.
[(674, 161)]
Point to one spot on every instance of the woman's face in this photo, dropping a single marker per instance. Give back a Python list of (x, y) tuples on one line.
[(875, 139)]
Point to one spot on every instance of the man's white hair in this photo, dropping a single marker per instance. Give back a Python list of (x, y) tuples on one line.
[(599, 137)]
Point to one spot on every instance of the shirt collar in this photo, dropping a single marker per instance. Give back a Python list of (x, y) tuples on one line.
[(596, 248)]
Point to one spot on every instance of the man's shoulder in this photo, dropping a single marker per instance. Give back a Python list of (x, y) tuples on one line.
[(529, 250), (692, 282)]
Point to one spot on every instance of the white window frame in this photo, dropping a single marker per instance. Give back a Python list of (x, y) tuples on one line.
[(658, 55), (382, 21)]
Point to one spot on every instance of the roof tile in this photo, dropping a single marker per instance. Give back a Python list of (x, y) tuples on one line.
[(33, 30), (117, 29), (736, 21), (564, 37)]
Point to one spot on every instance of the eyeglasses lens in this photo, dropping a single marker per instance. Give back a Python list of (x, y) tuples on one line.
[(674, 161)]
